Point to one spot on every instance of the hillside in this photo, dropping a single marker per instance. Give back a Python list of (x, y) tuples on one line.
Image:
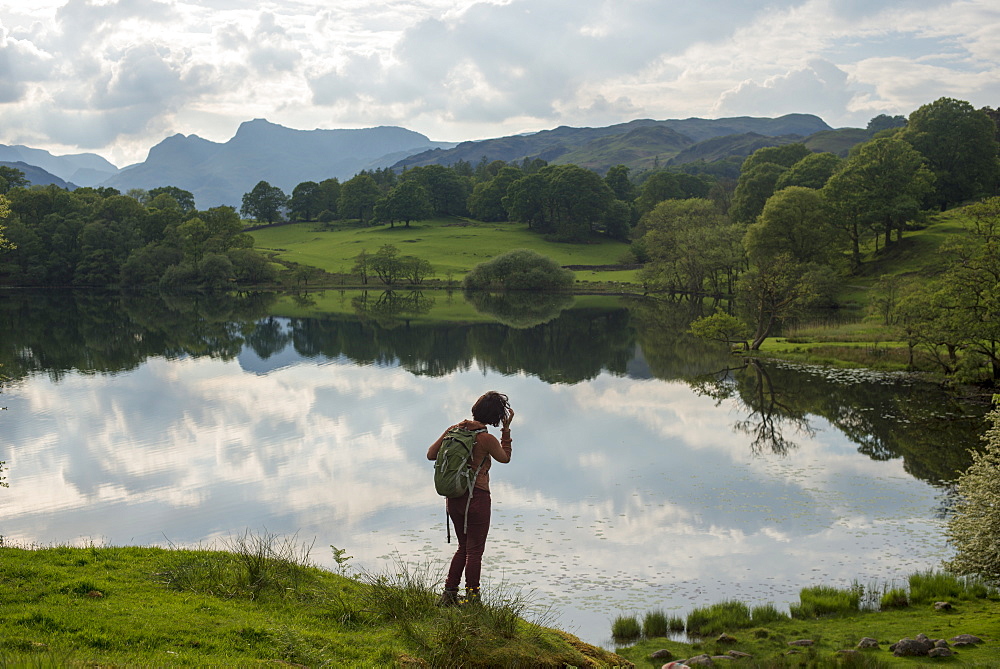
[(82, 169), (637, 144), (36, 176), (220, 173)]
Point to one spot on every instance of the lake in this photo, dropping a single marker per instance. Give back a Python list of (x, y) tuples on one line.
[(649, 469)]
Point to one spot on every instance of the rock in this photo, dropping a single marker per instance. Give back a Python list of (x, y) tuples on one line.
[(703, 660), (911, 647), (738, 654), (943, 606), (868, 642), (662, 654), (940, 652), (940, 643), (725, 638), (964, 640), (95, 594), (923, 638), (801, 642)]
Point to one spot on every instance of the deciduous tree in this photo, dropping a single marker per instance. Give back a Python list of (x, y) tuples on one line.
[(264, 202)]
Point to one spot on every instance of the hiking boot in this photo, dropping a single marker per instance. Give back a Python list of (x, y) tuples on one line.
[(448, 598), (472, 596)]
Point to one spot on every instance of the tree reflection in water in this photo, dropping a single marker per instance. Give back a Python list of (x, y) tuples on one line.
[(886, 416), (770, 410)]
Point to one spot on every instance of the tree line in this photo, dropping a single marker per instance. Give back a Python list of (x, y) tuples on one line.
[(798, 222), (99, 237)]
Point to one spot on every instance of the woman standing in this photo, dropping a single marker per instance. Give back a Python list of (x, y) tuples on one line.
[(472, 526)]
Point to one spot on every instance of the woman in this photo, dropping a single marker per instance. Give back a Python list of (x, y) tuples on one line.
[(493, 409)]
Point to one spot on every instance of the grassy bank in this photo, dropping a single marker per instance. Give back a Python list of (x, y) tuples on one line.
[(452, 246), (834, 620), (258, 602)]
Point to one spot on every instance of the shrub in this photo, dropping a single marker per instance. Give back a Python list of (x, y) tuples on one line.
[(625, 628), (655, 623), (718, 618), (973, 529), (932, 586), (520, 269)]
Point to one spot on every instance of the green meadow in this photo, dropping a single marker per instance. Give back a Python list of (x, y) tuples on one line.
[(453, 246)]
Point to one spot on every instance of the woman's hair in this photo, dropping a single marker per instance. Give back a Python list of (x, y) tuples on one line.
[(491, 408)]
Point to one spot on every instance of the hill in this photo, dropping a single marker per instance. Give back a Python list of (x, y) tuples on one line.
[(82, 169), (637, 144), (36, 176), (220, 173)]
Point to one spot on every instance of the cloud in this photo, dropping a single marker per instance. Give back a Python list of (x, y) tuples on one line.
[(819, 88)]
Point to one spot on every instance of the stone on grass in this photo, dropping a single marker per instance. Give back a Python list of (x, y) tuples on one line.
[(943, 606), (738, 654), (801, 642), (940, 652), (868, 642), (703, 660), (911, 647), (725, 638), (662, 654), (964, 640)]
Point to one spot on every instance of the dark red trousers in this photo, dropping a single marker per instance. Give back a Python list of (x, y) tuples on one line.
[(469, 556)]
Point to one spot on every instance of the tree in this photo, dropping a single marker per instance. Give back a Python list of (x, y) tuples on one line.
[(974, 527), (813, 171), (5, 244), (689, 246), (357, 197), (363, 265), (11, 177), (486, 201), (406, 202), (885, 122), (520, 269), (307, 201), (960, 145), (786, 156), (264, 203), (657, 188), (881, 185), (755, 185), (721, 326), (415, 270), (771, 292), (386, 264), (575, 201), (619, 183), (794, 221), (183, 198), (448, 192), (969, 294), (525, 200)]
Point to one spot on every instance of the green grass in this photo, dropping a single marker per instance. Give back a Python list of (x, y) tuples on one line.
[(768, 643), (718, 618), (259, 602), (451, 246), (824, 600)]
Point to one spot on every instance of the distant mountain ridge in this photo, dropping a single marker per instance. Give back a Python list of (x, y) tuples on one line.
[(36, 176), (639, 144), (82, 169), (220, 173)]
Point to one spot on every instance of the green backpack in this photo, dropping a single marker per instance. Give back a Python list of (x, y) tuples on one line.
[(453, 474)]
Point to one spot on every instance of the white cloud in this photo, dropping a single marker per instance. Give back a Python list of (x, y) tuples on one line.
[(119, 75)]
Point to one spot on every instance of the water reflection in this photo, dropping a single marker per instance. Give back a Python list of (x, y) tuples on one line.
[(632, 485)]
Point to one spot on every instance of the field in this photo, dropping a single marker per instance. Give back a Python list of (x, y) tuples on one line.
[(452, 246)]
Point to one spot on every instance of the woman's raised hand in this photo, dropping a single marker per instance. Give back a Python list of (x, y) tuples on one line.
[(508, 418)]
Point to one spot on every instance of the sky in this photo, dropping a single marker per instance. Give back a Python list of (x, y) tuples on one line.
[(115, 77)]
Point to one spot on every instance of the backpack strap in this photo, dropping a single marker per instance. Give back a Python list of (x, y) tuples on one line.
[(472, 482)]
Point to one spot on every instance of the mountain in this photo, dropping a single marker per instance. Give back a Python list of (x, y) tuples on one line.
[(220, 173), (638, 144), (36, 176), (82, 169), (726, 146)]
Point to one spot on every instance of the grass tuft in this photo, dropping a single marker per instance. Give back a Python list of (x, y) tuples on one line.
[(655, 623), (824, 600), (626, 628), (718, 618)]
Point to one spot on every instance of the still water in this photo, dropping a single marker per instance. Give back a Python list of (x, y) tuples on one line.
[(650, 470)]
